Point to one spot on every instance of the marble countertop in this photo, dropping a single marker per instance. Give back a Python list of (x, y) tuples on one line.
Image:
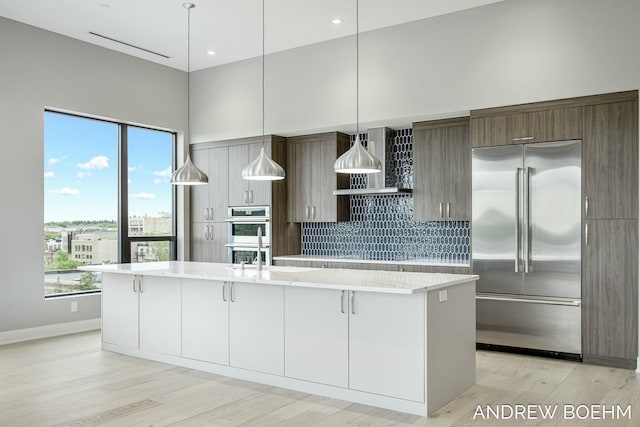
[(425, 262), (341, 279)]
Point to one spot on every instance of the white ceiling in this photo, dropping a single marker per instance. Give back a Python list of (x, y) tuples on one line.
[(231, 28)]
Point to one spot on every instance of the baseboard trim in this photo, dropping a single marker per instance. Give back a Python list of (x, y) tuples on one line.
[(614, 362), (47, 331)]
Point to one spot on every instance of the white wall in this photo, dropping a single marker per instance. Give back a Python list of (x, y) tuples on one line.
[(506, 53), (41, 69)]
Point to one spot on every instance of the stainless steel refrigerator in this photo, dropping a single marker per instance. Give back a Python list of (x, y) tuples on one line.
[(526, 246)]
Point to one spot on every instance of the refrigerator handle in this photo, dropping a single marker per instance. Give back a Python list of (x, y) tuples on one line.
[(527, 246), (517, 257)]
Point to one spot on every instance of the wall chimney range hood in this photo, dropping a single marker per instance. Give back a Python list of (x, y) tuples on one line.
[(377, 183)]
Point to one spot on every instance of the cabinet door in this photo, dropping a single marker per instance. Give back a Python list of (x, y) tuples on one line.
[(218, 184), (205, 321), (610, 160), (301, 161), (200, 244), (489, 131), (563, 124), (259, 191), (526, 128), (324, 207), (457, 172), (119, 310), (238, 187), (386, 356), (256, 332), (218, 238), (429, 192), (610, 289), (316, 335), (160, 315), (200, 193)]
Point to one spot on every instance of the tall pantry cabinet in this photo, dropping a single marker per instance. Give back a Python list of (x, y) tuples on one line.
[(223, 162)]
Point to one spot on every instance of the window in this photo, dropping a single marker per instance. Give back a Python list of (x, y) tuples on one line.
[(107, 198)]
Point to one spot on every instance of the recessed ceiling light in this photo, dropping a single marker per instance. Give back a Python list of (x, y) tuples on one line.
[(211, 52), (105, 5), (336, 21)]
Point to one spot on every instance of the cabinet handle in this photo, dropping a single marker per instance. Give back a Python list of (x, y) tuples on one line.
[(523, 138), (586, 206), (246, 196), (135, 278), (224, 292), (448, 209), (250, 196), (140, 284), (206, 214), (586, 233), (232, 292), (307, 212), (342, 302), (440, 209), (313, 212), (353, 302)]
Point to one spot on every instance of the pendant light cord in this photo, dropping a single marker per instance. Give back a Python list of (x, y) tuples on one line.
[(357, 70), (189, 6), (263, 136)]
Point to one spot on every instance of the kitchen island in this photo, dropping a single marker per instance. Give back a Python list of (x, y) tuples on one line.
[(396, 340)]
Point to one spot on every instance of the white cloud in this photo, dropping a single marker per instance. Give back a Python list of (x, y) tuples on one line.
[(163, 173), (129, 181), (54, 160), (142, 196), (82, 174), (157, 181), (96, 162), (65, 191), (49, 174), (132, 168)]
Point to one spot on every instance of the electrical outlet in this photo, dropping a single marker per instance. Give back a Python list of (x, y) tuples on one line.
[(74, 306), (442, 295)]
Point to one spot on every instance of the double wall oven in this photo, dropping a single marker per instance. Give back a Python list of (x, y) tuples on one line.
[(243, 224)]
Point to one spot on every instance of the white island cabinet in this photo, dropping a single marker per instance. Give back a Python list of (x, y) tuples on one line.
[(396, 340), (141, 312)]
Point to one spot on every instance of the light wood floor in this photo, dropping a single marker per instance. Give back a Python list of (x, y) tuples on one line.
[(69, 381)]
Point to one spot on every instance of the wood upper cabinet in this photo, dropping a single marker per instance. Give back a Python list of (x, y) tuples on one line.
[(209, 202), (541, 125), (610, 161), (241, 191), (442, 170), (311, 178), (610, 291)]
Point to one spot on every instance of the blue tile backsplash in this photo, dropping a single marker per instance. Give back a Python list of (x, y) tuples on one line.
[(382, 227)]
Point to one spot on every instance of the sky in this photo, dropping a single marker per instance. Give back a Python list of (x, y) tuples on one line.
[(81, 169)]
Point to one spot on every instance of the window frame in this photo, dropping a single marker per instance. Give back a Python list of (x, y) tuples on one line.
[(124, 240)]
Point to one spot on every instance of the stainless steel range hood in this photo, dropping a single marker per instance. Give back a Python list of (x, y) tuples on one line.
[(377, 183)]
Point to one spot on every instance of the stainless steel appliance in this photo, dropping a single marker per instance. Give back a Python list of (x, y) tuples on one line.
[(526, 245), (243, 242)]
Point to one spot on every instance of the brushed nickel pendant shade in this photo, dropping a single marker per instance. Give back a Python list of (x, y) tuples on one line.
[(263, 168), (188, 173), (357, 159)]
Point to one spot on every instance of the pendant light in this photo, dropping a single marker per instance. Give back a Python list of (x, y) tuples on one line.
[(188, 173), (263, 168), (357, 159)]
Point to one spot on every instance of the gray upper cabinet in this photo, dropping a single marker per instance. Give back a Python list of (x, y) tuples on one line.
[(610, 292), (512, 125), (241, 191), (610, 160), (442, 170), (209, 202), (311, 178)]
